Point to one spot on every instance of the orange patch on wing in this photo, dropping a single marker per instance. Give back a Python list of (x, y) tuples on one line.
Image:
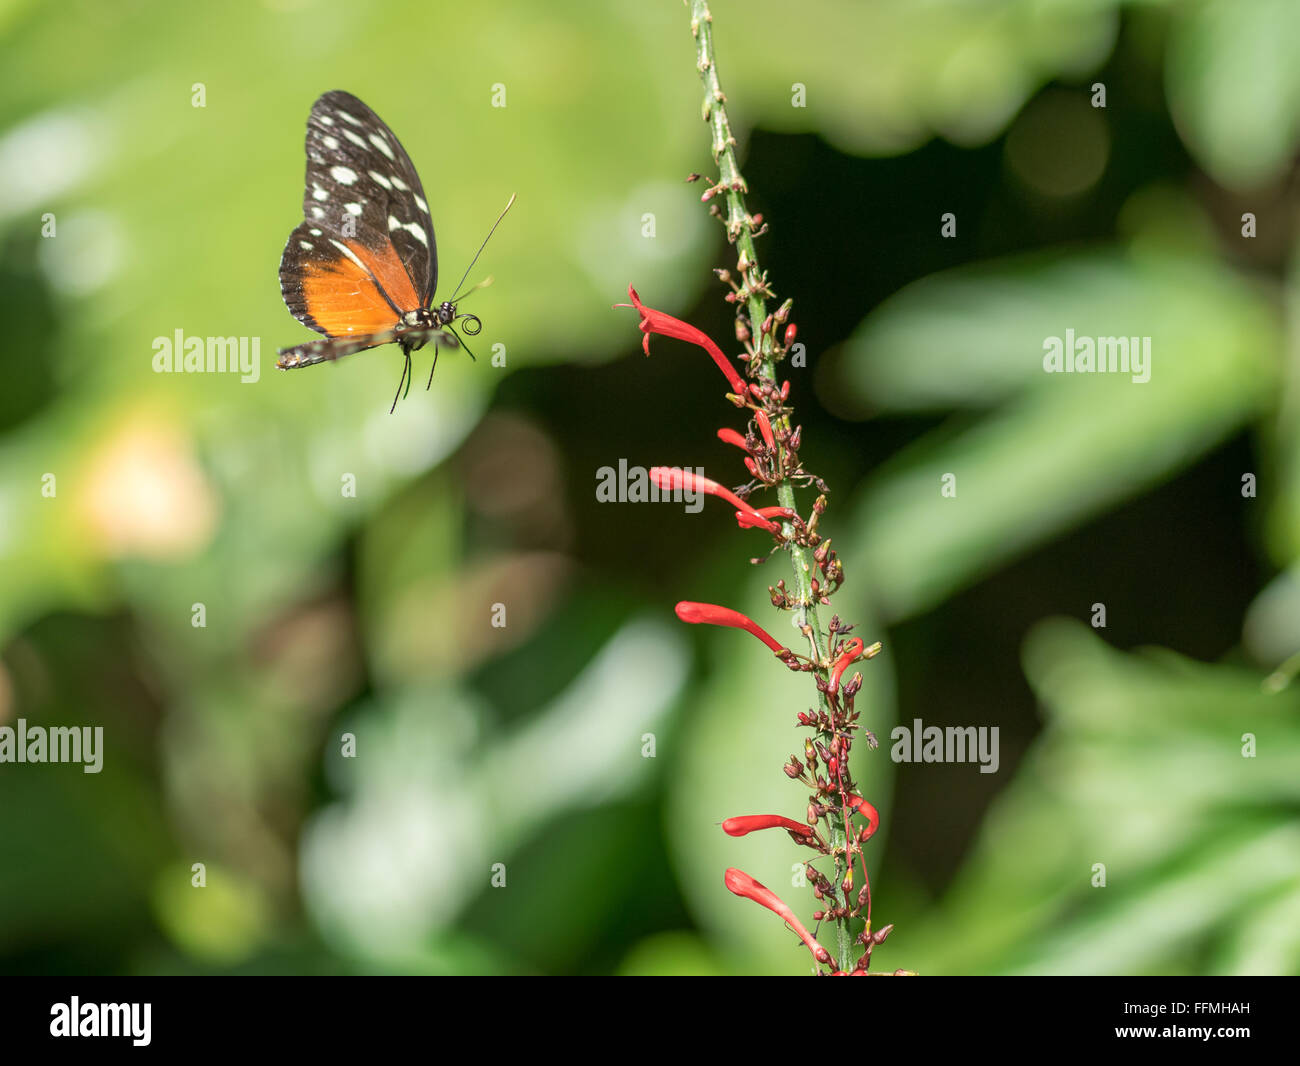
[(343, 299), (388, 269)]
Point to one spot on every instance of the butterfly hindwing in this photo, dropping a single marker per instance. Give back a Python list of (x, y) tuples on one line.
[(332, 348)]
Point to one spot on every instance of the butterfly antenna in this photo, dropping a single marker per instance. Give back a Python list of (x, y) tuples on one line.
[(474, 288), (483, 245)]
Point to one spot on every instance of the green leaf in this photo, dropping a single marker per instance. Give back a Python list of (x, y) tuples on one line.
[(1061, 446), (1234, 87)]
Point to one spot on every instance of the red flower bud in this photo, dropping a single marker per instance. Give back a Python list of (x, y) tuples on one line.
[(712, 614), (730, 436), (738, 827), (742, 884), (765, 428)]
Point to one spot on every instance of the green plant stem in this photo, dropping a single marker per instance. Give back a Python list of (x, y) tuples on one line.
[(740, 231)]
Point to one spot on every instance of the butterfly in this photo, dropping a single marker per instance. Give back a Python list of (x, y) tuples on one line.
[(362, 266)]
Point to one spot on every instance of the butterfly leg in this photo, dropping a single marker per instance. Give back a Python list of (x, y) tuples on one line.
[(461, 341), (406, 373), (435, 365)]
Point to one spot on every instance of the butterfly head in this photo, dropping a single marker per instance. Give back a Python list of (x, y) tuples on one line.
[(446, 314)]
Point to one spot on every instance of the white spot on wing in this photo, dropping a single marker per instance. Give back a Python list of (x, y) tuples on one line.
[(325, 120), (350, 254), (379, 179), (331, 143), (317, 212), (382, 145), (350, 118), (343, 175), (394, 223), (419, 202), (352, 209), (354, 138), (399, 184), (318, 193), (306, 244), (417, 231)]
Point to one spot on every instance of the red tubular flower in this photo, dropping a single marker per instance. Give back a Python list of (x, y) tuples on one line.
[(746, 520), (851, 651), (730, 436), (862, 807), (738, 827), (742, 884), (713, 615), (653, 321), (765, 428), (776, 512), (674, 477)]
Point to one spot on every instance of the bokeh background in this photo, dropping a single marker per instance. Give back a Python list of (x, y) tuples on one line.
[(523, 745)]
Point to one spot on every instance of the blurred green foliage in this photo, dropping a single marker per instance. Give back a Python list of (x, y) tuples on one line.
[(329, 616)]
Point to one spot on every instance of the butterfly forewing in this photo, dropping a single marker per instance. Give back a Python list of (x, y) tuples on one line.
[(364, 255)]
